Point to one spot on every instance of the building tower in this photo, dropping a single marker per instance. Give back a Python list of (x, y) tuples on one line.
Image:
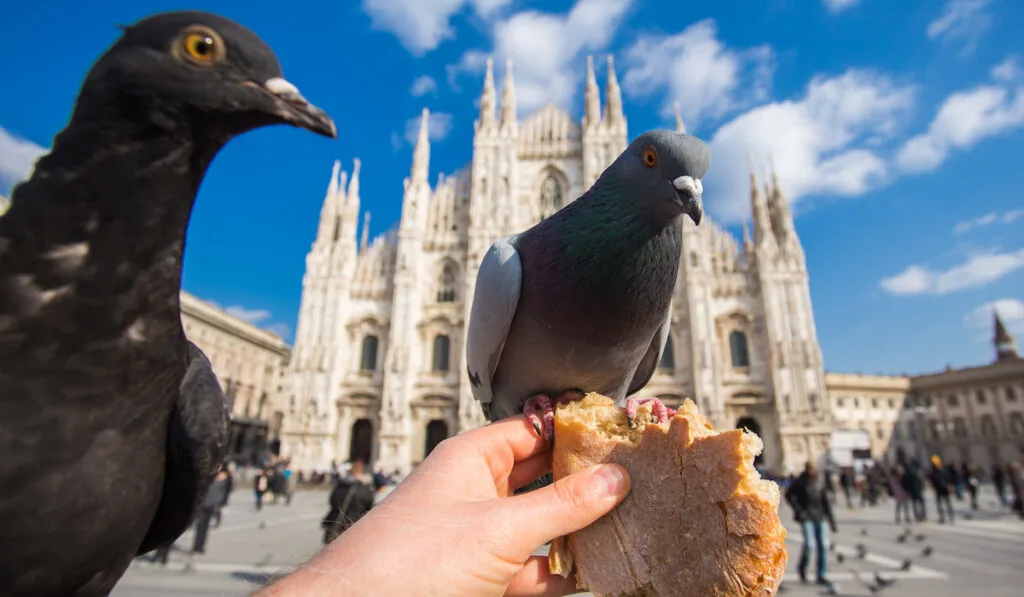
[(798, 378), (603, 135), (308, 423), (1006, 347)]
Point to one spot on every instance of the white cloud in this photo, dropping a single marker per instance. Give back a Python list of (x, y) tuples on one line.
[(695, 69), (964, 119), (546, 48), (963, 21), (423, 85), (17, 157), (252, 316), (421, 25), (471, 62), (835, 6), (1011, 312), (981, 269), (1008, 70), (438, 127), (988, 219), (281, 329), (818, 143)]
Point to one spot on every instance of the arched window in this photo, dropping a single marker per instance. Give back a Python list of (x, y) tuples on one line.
[(437, 432), (368, 358), (738, 349), (551, 197), (442, 349), (668, 357), (447, 283)]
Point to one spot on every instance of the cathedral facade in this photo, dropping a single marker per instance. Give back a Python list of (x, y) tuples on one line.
[(379, 368)]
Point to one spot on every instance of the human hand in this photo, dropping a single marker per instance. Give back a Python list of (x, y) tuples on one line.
[(452, 529)]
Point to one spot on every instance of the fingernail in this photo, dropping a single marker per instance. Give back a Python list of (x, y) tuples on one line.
[(615, 477)]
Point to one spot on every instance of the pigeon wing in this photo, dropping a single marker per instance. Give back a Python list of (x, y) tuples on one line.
[(197, 441), (496, 298), (649, 363)]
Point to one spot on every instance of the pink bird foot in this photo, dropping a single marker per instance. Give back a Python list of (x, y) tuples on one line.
[(661, 412), (544, 422)]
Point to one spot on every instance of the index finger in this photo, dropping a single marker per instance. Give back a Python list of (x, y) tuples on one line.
[(506, 442)]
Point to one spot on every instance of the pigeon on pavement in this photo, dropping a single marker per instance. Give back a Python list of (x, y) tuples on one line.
[(581, 301), (113, 423)]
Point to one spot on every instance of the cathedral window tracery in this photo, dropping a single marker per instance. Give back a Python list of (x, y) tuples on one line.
[(368, 356), (447, 284), (551, 197), (738, 350), (442, 352)]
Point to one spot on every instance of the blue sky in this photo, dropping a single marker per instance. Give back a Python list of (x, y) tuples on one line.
[(896, 127)]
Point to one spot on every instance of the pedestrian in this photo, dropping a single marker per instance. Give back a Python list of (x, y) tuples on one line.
[(914, 486), (846, 481), (955, 481), (811, 508), (350, 500), (899, 494), (1015, 475), (971, 483), (259, 487), (999, 483), (227, 494), (943, 486), (214, 500)]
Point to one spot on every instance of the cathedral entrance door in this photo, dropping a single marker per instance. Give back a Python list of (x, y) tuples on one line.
[(437, 432), (361, 446), (751, 424)]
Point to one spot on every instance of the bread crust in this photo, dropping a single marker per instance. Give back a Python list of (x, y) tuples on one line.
[(698, 522)]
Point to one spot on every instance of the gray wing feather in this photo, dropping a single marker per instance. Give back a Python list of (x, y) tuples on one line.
[(648, 364), (498, 285), (197, 441)]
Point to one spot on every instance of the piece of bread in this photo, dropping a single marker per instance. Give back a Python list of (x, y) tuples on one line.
[(698, 522)]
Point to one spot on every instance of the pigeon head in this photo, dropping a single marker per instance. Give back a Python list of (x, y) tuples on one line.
[(200, 69), (663, 169)]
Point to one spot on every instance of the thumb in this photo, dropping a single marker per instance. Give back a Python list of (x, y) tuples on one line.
[(565, 506)]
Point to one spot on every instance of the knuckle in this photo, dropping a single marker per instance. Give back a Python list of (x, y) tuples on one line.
[(571, 493)]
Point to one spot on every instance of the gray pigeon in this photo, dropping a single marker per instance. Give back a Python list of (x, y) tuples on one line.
[(112, 424), (580, 302)]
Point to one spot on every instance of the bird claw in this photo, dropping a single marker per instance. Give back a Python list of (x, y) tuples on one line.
[(544, 422), (661, 412)]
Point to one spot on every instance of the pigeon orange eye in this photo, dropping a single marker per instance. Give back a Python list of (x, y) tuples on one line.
[(201, 46), (650, 157)]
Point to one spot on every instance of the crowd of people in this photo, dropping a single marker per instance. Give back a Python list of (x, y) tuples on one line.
[(812, 495)]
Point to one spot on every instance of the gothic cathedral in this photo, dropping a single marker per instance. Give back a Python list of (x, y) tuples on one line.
[(378, 368)]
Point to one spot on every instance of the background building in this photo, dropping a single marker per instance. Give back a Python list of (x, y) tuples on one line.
[(974, 414), (379, 361), (249, 363)]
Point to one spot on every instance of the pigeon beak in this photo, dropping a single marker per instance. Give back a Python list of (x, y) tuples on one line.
[(689, 193), (295, 110)]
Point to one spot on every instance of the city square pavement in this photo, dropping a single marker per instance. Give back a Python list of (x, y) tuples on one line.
[(982, 556)]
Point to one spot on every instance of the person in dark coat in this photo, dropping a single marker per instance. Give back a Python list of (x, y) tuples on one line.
[(999, 482), (943, 486), (214, 500), (812, 508), (351, 498), (912, 483)]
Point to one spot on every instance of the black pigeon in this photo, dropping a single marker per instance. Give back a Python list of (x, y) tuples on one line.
[(840, 557), (864, 532), (920, 538), (113, 424), (927, 551), (862, 551), (881, 582), (907, 563), (901, 539)]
